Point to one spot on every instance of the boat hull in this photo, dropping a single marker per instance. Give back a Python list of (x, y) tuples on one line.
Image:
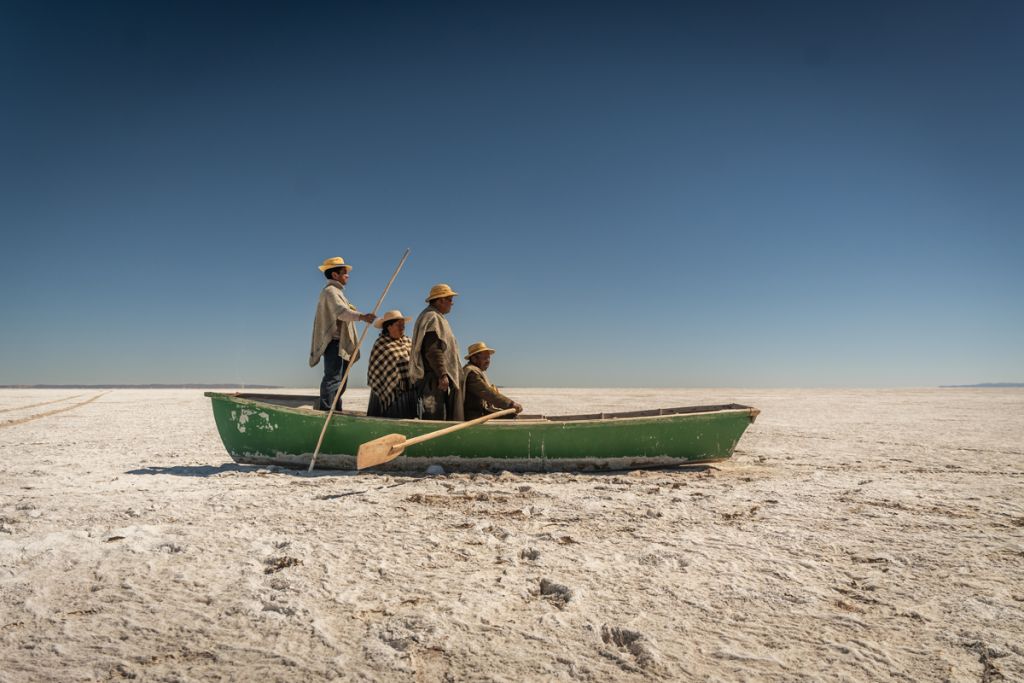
[(256, 431)]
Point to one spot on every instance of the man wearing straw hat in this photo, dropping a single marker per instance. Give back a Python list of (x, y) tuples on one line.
[(334, 330), (482, 397), (434, 359)]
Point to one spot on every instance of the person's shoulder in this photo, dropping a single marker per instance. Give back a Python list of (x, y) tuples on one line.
[(428, 318)]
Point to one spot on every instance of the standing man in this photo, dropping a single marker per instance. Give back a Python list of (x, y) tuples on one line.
[(434, 361), (482, 397), (334, 330)]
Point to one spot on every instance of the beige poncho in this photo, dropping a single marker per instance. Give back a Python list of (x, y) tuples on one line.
[(335, 319), (430, 320)]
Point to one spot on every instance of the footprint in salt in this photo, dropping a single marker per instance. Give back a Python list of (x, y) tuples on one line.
[(631, 643), (276, 564), (529, 554), (651, 560), (555, 593)]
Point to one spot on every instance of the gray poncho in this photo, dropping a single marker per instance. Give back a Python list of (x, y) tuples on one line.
[(430, 320), (335, 319)]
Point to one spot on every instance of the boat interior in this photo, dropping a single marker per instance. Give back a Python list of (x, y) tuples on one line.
[(309, 402)]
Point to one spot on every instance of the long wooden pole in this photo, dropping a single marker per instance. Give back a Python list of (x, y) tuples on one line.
[(351, 362)]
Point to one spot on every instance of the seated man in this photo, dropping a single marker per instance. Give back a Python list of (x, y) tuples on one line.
[(482, 397)]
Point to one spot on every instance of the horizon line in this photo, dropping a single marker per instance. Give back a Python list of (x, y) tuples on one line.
[(236, 385)]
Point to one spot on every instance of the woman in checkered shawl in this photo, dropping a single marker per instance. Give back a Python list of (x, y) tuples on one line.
[(391, 393)]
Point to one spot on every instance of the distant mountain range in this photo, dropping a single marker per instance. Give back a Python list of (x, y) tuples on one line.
[(139, 386), (987, 385)]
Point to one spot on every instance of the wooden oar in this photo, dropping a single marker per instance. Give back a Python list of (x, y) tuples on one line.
[(351, 362), (390, 446)]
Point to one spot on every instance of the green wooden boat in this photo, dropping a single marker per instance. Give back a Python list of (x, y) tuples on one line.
[(275, 429)]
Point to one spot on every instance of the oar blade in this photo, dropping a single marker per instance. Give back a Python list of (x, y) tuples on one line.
[(380, 451)]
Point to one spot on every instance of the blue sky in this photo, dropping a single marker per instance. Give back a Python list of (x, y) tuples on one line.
[(624, 194)]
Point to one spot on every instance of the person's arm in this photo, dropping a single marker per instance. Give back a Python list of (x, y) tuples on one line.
[(349, 315)]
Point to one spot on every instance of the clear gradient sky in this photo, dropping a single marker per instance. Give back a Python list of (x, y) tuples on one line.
[(625, 194)]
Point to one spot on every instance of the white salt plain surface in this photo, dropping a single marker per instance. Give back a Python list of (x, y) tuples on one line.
[(856, 535)]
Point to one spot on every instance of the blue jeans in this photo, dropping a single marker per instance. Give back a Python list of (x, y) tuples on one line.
[(334, 368)]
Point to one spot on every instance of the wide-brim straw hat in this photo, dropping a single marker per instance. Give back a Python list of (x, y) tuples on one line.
[(388, 317), (334, 262), (478, 347), (440, 291)]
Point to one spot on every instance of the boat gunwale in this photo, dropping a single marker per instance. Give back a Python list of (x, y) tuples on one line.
[(723, 409)]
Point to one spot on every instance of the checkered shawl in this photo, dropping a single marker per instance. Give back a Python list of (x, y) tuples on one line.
[(389, 367)]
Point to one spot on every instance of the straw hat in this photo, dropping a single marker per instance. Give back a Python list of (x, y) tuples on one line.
[(479, 347), (388, 317), (440, 291), (334, 262)]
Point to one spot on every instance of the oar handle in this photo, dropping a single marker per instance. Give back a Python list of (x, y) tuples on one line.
[(454, 428)]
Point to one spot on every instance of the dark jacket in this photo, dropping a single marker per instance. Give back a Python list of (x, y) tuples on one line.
[(482, 397)]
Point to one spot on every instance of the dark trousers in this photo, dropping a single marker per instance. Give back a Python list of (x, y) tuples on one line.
[(334, 368), (434, 404)]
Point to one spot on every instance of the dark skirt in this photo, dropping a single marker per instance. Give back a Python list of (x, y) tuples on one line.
[(402, 406)]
